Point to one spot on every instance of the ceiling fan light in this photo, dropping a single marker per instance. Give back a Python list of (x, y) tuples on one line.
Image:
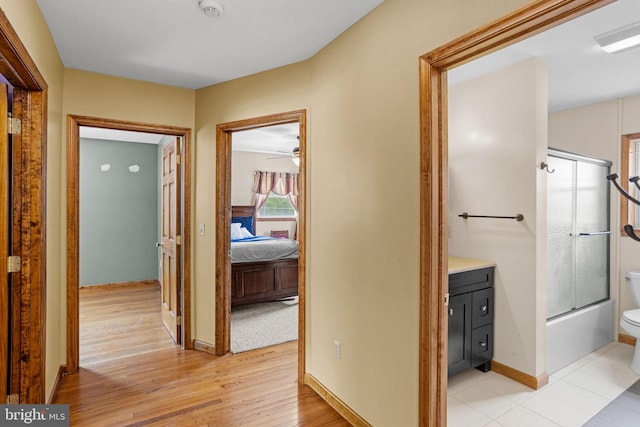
[(211, 8), (295, 157)]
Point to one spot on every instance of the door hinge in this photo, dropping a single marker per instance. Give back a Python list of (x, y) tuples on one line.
[(13, 399), (446, 299), (14, 125), (178, 159), (13, 264), (178, 240), (179, 320)]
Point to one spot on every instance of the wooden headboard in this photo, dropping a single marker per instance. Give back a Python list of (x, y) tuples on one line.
[(245, 211)]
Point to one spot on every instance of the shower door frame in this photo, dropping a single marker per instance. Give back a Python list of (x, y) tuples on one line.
[(553, 152)]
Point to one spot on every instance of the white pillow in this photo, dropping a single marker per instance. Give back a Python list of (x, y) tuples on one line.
[(235, 231), (245, 233)]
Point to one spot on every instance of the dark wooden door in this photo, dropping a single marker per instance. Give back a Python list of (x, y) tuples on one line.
[(170, 245), (4, 246)]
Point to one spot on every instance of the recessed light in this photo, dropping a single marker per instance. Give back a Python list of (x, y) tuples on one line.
[(620, 39)]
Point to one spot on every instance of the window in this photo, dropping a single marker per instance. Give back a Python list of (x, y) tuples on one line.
[(630, 167), (277, 206)]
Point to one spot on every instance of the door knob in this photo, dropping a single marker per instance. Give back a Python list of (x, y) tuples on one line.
[(158, 244)]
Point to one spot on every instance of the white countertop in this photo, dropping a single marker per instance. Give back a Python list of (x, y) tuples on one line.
[(459, 264)]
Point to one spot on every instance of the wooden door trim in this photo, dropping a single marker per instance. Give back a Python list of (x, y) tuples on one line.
[(29, 216), (73, 231), (224, 132), (524, 22)]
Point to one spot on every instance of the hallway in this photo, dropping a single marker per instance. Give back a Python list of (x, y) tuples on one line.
[(144, 380)]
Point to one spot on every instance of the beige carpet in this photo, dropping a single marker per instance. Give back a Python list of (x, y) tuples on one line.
[(264, 324)]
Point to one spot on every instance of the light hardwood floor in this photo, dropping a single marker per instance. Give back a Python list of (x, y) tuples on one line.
[(132, 375)]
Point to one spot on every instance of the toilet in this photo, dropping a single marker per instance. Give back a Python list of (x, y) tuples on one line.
[(630, 320)]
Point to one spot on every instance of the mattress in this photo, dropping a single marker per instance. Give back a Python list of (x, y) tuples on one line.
[(267, 249)]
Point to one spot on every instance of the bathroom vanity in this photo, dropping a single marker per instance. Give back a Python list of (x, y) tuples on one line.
[(471, 307)]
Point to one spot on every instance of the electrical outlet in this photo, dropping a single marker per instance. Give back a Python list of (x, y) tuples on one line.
[(337, 349)]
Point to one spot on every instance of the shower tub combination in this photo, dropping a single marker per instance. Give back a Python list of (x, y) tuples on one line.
[(580, 315)]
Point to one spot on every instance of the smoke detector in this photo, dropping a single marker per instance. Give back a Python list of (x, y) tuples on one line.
[(211, 8)]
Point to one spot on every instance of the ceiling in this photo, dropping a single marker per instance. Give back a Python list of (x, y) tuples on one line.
[(580, 72), (278, 139), (172, 42)]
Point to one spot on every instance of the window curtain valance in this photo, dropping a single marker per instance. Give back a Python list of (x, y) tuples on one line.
[(282, 183)]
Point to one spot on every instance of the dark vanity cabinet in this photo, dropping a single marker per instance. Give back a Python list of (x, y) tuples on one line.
[(471, 305)]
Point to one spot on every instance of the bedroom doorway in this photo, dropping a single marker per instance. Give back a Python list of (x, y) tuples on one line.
[(264, 251), (128, 224), (226, 201), (175, 143)]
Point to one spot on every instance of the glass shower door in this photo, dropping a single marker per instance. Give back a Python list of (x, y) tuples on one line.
[(577, 232), (592, 234), (561, 279)]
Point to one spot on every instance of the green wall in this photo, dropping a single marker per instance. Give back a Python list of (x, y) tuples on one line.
[(118, 212)]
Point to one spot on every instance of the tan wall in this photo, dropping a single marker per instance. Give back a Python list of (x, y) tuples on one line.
[(361, 93), (362, 99), (494, 144), (26, 19), (596, 131)]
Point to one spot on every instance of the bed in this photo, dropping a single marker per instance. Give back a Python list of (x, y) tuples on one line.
[(262, 268)]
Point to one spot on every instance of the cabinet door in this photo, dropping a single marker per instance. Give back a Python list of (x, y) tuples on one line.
[(482, 308), (481, 345), (459, 351)]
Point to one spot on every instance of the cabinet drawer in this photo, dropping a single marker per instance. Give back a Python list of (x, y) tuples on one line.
[(481, 345), (469, 281), (482, 307)]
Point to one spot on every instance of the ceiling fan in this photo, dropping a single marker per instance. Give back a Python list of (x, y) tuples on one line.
[(295, 156)]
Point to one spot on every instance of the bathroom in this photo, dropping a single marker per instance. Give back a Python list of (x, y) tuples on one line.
[(497, 142)]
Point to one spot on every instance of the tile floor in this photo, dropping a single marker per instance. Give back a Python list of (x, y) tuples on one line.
[(573, 395)]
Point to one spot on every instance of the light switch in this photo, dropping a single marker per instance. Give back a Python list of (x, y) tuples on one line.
[(201, 232)]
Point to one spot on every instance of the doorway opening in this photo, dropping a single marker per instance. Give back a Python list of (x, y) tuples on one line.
[(264, 257), (123, 253), (514, 27), (174, 238), (224, 217)]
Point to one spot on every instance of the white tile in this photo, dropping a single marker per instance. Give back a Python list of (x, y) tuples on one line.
[(619, 357), (461, 415), (577, 396), (602, 350), (568, 369), (508, 388), (465, 379), (485, 401), (549, 406), (574, 394), (618, 373), (598, 385), (523, 417)]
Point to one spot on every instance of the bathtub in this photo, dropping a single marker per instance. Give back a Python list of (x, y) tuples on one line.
[(579, 333)]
